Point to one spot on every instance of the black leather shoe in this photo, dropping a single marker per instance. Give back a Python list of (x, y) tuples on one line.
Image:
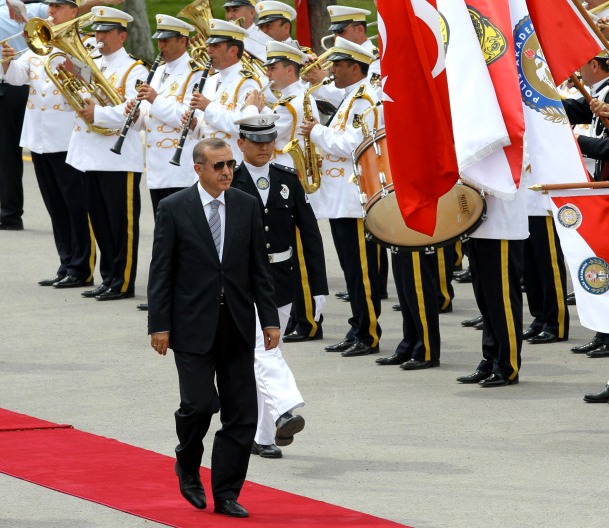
[(497, 380), (94, 293), (396, 359), (297, 337), (571, 299), (266, 451), (359, 349), (448, 309), (463, 276), (415, 364), (230, 508), (472, 322), (69, 281), (111, 295), (544, 338), (598, 397), (531, 332), (396, 308), (11, 227), (476, 377), (339, 347), (341, 294), (479, 326), (287, 426), (588, 347), (346, 298), (601, 352), (50, 282), (191, 487), (143, 307)]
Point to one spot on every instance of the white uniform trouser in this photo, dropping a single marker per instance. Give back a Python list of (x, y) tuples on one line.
[(275, 383)]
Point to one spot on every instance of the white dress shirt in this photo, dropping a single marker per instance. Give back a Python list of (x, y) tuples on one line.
[(206, 200), (257, 173)]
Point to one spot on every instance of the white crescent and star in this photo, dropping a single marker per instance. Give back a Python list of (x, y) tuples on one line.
[(429, 15)]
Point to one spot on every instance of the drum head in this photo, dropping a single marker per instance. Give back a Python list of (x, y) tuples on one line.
[(460, 211)]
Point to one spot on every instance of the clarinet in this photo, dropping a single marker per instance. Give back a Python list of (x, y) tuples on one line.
[(198, 88), (119, 142)]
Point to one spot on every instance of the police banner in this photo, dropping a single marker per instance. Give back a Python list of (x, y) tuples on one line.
[(553, 152), (582, 223), (418, 125), (478, 126), (566, 38)]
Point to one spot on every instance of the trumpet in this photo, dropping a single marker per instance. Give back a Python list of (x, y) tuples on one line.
[(318, 63)]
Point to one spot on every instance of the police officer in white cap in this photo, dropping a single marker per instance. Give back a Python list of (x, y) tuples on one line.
[(338, 200), (255, 42), (350, 24), (223, 97), (46, 133), (275, 19), (284, 208), (112, 182)]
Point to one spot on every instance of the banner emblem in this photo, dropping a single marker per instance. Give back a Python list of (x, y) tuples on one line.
[(593, 275), (569, 216), (492, 40)]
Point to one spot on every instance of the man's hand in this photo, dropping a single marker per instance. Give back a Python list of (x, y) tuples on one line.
[(603, 25), (255, 98), (307, 126), (8, 54), (146, 93), (88, 113), (160, 342), (129, 108), (315, 75), (193, 123), (199, 101), (271, 338), (599, 108)]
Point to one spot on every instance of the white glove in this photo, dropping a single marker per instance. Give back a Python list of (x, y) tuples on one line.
[(320, 300)]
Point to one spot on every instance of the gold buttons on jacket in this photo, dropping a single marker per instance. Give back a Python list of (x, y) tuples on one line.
[(148, 145)]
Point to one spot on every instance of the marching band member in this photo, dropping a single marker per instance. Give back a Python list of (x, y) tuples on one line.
[(255, 42), (111, 182), (224, 94), (338, 200), (275, 19), (46, 133), (284, 208)]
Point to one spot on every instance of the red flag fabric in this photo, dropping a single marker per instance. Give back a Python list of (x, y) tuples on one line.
[(303, 29), (493, 24), (418, 126), (567, 40)]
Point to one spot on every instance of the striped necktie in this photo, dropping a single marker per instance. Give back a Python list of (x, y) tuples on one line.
[(215, 225)]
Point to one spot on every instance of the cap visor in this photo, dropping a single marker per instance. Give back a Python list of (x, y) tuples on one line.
[(339, 25), (273, 60), (339, 56), (260, 138), (237, 3), (103, 26), (161, 33), (215, 39), (269, 18)]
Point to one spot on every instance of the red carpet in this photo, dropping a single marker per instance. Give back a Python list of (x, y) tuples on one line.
[(143, 483)]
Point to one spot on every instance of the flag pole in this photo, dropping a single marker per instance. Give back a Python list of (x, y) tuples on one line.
[(588, 97), (576, 185), (591, 22)]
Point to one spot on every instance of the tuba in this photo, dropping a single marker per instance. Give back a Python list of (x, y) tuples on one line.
[(307, 160), (199, 13), (41, 38)]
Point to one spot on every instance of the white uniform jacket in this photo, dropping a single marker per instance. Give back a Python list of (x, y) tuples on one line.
[(89, 151), (49, 119), (174, 83), (227, 91), (336, 197)]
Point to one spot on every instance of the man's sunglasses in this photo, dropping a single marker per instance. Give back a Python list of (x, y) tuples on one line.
[(219, 165)]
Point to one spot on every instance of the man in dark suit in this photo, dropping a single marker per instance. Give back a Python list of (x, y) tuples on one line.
[(209, 265), (285, 209)]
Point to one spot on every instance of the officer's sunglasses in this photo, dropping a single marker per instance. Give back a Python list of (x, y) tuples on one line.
[(219, 165)]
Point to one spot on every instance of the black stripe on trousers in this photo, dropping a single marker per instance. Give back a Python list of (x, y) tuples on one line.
[(496, 267)]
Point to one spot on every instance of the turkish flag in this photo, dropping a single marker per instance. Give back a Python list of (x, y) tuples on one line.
[(582, 221), (303, 29), (567, 40), (493, 24), (418, 125)]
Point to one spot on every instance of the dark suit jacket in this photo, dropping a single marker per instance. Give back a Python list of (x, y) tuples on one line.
[(286, 209), (186, 276)]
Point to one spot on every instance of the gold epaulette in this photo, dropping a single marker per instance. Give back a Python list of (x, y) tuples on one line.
[(139, 61), (376, 53), (285, 100), (247, 74), (194, 65), (361, 91)]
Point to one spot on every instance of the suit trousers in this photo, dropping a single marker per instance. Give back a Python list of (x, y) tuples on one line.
[(359, 260), (545, 278), (12, 109), (275, 384), (416, 281), (63, 193), (113, 201), (496, 267), (231, 361)]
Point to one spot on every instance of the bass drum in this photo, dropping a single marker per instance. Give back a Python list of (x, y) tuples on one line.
[(460, 210)]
